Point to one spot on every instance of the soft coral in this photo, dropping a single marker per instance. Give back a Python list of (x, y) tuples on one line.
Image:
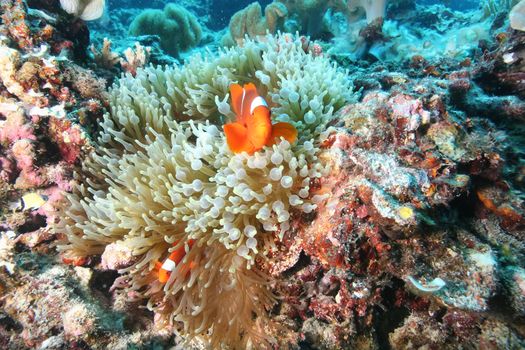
[(374, 8)]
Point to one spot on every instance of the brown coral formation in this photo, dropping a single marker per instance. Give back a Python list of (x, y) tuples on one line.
[(250, 22)]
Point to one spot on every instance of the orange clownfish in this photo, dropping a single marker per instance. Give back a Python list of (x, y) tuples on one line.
[(171, 262), (253, 127)]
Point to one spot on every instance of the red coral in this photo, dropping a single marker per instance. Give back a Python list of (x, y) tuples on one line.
[(14, 17), (68, 137)]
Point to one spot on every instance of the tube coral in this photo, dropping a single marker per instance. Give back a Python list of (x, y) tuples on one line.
[(163, 178)]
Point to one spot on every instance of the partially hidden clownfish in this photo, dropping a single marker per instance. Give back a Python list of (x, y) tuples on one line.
[(172, 261), (253, 128)]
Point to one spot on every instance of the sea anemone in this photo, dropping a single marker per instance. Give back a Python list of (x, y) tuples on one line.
[(163, 176)]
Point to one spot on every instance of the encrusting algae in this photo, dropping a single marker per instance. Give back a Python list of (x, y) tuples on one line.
[(199, 215)]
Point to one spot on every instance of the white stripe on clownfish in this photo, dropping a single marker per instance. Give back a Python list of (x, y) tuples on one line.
[(168, 265), (257, 102)]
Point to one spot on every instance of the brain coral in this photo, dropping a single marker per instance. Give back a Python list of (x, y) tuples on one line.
[(163, 179)]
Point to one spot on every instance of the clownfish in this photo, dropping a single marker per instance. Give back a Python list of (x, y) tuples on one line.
[(253, 128), (172, 261)]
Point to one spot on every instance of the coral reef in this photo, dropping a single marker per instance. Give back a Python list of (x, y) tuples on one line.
[(178, 28), (367, 246), (396, 220), (432, 33), (306, 17), (47, 103)]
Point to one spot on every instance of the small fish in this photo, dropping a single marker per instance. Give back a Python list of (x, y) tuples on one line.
[(29, 201), (253, 127), (171, 262)]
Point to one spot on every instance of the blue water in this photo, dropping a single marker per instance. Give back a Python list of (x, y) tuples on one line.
[(431, 28), (222, 10)]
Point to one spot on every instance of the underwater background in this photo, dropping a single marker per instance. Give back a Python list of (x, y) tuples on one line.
[(286, 174)]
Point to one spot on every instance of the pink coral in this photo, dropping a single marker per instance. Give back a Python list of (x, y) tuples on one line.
[(24, 153), (15, 126), (7, 169), (29, 178)]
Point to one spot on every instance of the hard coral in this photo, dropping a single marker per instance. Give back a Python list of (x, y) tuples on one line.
[(162, 181), (404, 165)]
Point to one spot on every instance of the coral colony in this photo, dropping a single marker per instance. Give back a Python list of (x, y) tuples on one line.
[(293, 174)]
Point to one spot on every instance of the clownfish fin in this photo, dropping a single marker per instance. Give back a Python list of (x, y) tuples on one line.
[(259, 127), (237, 138), (284, 130)]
